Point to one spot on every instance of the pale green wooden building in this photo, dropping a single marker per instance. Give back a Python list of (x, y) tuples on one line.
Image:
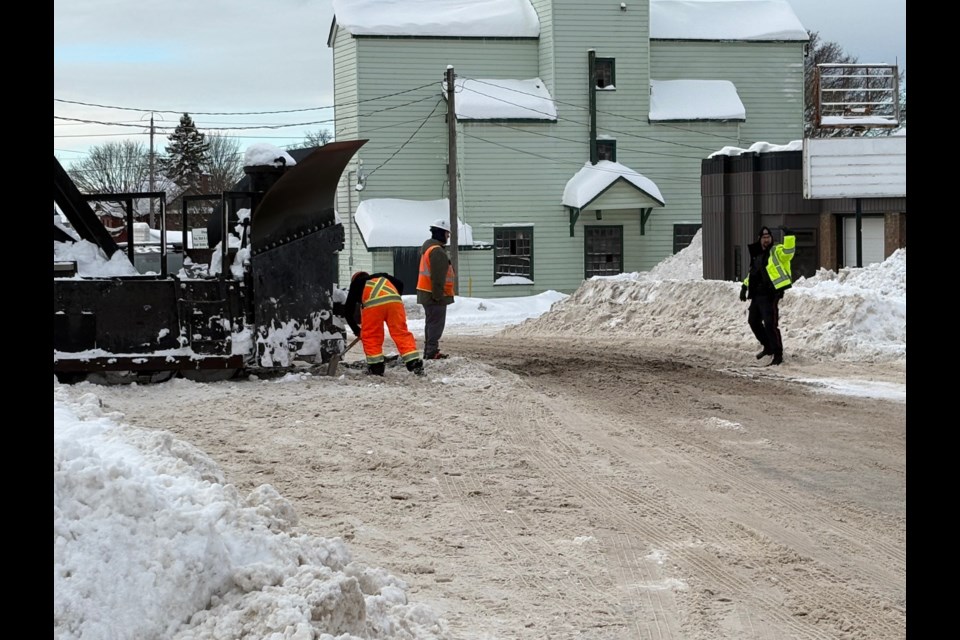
[(635, 94)]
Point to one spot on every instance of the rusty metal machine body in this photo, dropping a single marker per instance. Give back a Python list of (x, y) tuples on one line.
[(271, 300)]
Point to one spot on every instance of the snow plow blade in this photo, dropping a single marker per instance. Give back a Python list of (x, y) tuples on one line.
[(295, 240)]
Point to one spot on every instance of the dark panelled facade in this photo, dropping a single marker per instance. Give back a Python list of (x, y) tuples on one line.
[(742, 193)]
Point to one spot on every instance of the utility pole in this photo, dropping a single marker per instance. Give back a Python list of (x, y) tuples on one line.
[(592, 93), (151, 171), (452, 177)]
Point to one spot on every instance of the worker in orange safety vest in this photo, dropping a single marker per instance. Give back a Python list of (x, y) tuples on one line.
[(372, 301), (435, 286)]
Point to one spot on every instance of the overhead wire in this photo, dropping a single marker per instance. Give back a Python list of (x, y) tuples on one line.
[(459, 89), (240, 113), (412, 135), (584, 124), (600, 111)]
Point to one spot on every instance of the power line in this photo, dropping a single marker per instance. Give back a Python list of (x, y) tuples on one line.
[(173, 128), (421, 125), (237, 113), (393, 155), (583, 108), (554, 159)]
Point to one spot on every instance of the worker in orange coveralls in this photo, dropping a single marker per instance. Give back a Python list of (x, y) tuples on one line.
[(372, 301)]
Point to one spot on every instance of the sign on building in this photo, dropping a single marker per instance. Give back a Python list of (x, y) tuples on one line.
[(855, 167), (199, 236)]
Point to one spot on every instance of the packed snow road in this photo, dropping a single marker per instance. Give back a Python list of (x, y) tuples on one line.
[(530, 488)]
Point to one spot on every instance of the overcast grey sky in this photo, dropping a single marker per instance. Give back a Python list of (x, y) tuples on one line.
[(211, 58)]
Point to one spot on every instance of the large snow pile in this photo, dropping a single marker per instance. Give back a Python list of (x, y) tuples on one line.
[(856, 314)]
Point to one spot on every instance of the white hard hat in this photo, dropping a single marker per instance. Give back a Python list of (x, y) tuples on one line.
[(441, 223)]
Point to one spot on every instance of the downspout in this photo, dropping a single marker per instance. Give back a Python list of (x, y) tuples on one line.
[(592, 97), (352, 172)]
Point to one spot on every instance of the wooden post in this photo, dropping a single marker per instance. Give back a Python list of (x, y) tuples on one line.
[(592, 101), (452, 177)]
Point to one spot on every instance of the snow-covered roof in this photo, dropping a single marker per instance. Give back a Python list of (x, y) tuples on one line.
[(858, 121), (763, 20), (392, 222), (478, 99), (588, 183), (759, 147), (455, 18), (695, 100), (266, 154)]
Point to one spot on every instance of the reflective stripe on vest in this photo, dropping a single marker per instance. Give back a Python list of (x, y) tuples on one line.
[(379, 291), (424, 282), (778, 271)]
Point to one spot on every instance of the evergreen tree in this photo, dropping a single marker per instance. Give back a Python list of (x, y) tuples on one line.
[(186, 155)]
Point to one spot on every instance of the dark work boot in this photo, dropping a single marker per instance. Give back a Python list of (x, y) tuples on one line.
[(415, 366), (777, 358), (376, 369), (763, 353)]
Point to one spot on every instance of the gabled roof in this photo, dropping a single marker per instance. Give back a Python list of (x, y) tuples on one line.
[(591, 181), (438, 18), (758, 20), (690, 100)]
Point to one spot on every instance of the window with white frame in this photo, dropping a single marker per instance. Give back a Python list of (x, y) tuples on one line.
[(513, 252)]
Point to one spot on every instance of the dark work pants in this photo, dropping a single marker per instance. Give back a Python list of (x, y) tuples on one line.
[(433, 324), (764, 320)]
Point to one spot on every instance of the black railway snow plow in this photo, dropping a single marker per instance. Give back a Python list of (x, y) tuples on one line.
[(266, 300)]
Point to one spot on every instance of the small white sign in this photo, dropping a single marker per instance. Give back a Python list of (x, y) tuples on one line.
[(855, 167), (199, 237)]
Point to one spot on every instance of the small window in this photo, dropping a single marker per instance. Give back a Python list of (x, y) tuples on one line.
[(607, 150), (603, 251), (605, 72), (683, 236), (513, 253)]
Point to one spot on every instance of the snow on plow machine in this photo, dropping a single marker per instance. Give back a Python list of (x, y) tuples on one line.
[(267, 299)]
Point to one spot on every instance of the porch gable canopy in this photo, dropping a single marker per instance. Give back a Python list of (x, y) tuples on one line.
[(392, 222), (585, 188)]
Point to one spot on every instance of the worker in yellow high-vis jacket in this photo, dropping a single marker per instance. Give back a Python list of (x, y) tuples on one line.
[(764, 285)]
